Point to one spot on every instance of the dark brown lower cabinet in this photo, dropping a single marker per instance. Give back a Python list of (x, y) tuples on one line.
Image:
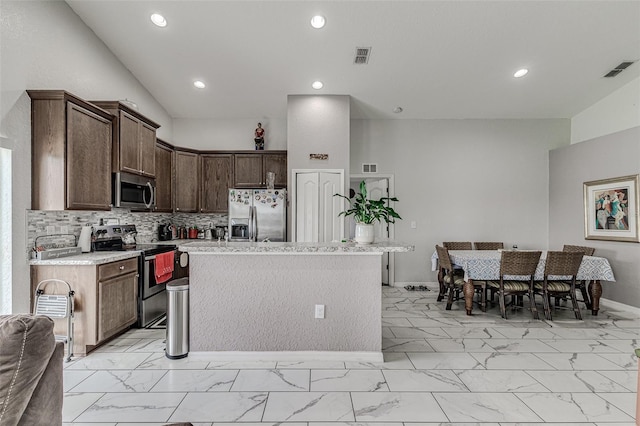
[(105, 300)]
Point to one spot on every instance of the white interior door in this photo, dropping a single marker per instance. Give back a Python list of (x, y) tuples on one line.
[(330, 224), (315, 207), (306, 207), (376, 189)]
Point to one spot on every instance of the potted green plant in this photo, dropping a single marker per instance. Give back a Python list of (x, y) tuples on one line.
[(366, 212)]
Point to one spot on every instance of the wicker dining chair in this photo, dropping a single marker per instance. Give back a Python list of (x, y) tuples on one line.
[(486, 245), (520, 267), (489, 245), (454, 283), (559, 263), (450, 245), (582, 284), (587, 251), (457, 245)]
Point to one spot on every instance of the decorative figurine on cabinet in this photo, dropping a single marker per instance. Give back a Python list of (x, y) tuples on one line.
[(259, 137)]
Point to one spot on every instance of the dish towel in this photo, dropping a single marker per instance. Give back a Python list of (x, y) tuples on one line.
[(164, 267)]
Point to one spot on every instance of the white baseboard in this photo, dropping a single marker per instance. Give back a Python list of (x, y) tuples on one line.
[(288, 356), (619, 306)]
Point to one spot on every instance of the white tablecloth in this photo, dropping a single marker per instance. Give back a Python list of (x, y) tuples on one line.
[(485, 265)]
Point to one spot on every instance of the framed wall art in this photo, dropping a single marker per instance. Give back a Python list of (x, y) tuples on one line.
[(611, 209)]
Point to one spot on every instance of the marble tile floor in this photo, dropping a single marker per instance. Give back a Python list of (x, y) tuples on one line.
[(441, 368)]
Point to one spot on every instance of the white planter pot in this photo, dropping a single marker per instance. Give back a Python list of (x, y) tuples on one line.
[(364, 233)]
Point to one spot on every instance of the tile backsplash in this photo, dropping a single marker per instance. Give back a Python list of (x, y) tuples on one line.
[(41, 223)]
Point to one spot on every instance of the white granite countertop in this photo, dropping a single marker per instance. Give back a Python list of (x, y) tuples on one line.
[(100, 257), (201, 247), (93, 258)]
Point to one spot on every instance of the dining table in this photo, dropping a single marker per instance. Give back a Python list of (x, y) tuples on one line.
[(484, 265)]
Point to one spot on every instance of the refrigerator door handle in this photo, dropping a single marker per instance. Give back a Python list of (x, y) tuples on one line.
[(250, 224), (254, 225)]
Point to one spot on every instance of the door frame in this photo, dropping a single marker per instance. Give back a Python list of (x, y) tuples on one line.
[(391, 179), (294, 189)]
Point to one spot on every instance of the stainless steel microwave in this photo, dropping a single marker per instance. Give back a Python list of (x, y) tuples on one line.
[(133, 192)]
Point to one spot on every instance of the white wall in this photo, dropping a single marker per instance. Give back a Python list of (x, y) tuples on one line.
[(618, 111), (318, 125), (44, 45), (569, 168), (210, 134), (5, 229), (465, 180)]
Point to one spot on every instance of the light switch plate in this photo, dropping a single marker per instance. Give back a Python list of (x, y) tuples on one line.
[(319, 311)]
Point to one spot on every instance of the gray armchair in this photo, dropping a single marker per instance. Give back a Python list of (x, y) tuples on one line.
[(30, 371)]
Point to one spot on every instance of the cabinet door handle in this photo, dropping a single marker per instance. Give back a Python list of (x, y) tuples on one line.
[(121, 267)]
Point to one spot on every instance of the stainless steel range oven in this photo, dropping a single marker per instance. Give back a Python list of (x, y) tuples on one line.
[(152, 298)]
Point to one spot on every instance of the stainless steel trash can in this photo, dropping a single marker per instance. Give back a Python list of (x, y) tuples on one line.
[(177, 319)]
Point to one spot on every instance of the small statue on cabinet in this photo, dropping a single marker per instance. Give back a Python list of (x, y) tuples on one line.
[(259, 137)]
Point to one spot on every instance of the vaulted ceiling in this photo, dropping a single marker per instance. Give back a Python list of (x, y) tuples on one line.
[(435, 59)]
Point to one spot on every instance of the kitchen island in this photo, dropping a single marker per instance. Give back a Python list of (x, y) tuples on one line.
[(259, 301)]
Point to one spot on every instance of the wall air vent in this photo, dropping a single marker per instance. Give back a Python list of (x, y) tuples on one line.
[(362, 55), (618, 69), (370, 168)]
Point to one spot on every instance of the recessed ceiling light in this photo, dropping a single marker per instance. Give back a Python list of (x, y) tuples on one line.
[(318, 21), (159, 20), (199, 84), (520, 73), (317, 85)]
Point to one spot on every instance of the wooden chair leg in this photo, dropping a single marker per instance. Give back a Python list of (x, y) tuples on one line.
[(546, 302), (443, 288), (576, 307), (503, 308), (450, 298), (532, 303), (585, 296)]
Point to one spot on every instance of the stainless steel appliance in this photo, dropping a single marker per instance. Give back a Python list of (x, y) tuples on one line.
[(133, 192), (152, 298), (165, 232), (257, 214)]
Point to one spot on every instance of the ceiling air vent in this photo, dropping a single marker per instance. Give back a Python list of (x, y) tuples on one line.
[(370, 168), (362, 55), (617, 70)]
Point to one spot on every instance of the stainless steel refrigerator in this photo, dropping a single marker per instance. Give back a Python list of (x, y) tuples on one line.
[(257, 214)]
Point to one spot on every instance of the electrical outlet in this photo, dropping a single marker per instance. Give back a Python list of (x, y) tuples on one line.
[(51, 229), (64, 229), (320, 311), (414, 225)]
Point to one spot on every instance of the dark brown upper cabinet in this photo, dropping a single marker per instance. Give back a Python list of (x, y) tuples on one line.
[(216, 177), (134, 140), (164, 177), (187, 184), (251, 169), (71, 142)]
